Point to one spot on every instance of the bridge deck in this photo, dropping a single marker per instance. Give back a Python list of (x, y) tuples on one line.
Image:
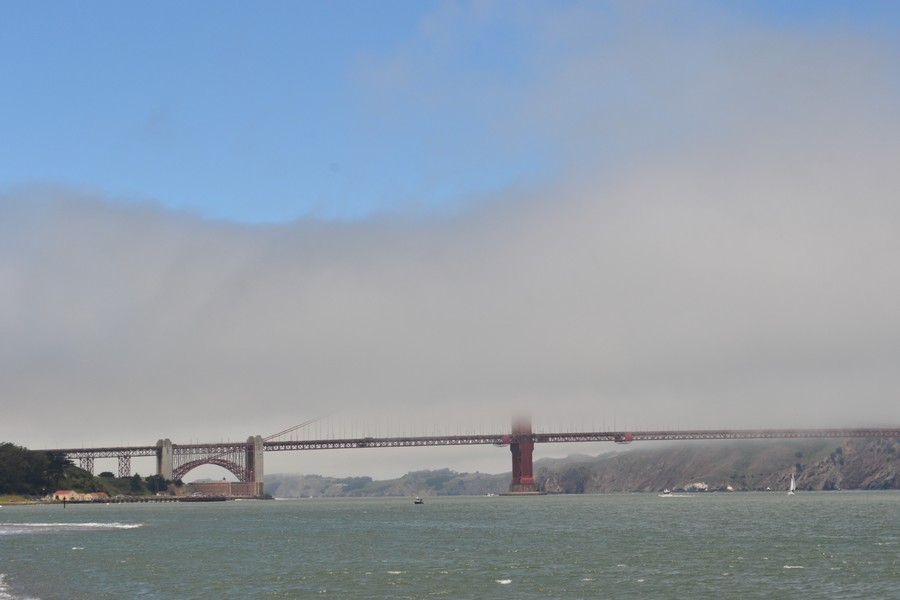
[(494, 439)]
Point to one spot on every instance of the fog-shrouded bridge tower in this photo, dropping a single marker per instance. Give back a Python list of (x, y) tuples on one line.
[(521, 446)]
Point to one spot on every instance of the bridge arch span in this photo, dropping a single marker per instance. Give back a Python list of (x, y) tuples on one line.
[(232, 467)]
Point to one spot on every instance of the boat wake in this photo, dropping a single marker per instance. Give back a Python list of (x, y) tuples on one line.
[(31, 528)]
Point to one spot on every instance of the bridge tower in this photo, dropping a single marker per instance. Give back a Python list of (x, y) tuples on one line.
[(521, 445), (254, 462), (164, 459)]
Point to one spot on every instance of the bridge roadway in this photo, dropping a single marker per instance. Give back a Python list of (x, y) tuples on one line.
[(497, 439), (603, 436), (245, 459)]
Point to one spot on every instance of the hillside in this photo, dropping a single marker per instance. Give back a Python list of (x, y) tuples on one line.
[(443, 482), (746, 465), (30, 474), (741, 466)]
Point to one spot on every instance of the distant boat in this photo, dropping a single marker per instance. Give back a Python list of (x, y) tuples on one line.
[(418, 501), (667, 493), (793, 485)]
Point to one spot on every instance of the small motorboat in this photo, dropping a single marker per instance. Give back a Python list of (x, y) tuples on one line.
[(667, 493), (418, 501)]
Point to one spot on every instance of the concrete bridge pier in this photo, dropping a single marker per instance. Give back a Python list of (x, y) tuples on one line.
[(164, 459), (254, 462)]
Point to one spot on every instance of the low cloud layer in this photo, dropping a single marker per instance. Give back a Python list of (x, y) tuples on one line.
[(742, 274)]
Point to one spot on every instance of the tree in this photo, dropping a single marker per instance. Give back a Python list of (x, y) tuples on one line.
[(56, 467), (156, 483), (23, 471)]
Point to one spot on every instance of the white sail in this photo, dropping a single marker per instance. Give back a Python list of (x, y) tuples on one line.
[(793, 485)]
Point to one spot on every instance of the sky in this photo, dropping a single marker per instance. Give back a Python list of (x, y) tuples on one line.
[(220, 220)]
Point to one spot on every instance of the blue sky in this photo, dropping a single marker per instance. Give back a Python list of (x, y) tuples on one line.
[(220, 219), (279, 110), (249, 112)]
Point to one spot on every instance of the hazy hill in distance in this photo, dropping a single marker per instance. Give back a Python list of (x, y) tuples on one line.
[(443, 482), (822, 464), (819, 464)]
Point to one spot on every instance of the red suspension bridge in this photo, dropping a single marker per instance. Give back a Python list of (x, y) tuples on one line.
[(245, 459)]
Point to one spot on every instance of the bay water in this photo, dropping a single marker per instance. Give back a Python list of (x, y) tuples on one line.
[(706, 545)]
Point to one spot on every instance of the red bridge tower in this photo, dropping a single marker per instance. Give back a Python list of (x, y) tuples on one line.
[(521, 445)]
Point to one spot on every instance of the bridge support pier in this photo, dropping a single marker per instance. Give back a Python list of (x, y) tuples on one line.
[(125, 465), (522, 448), (164, 459), (87, 463), (254, 462)]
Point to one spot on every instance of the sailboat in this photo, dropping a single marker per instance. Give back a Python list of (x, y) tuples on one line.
[(793, 485)]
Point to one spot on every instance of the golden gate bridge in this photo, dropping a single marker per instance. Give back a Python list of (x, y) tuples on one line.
[(245, 459)]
